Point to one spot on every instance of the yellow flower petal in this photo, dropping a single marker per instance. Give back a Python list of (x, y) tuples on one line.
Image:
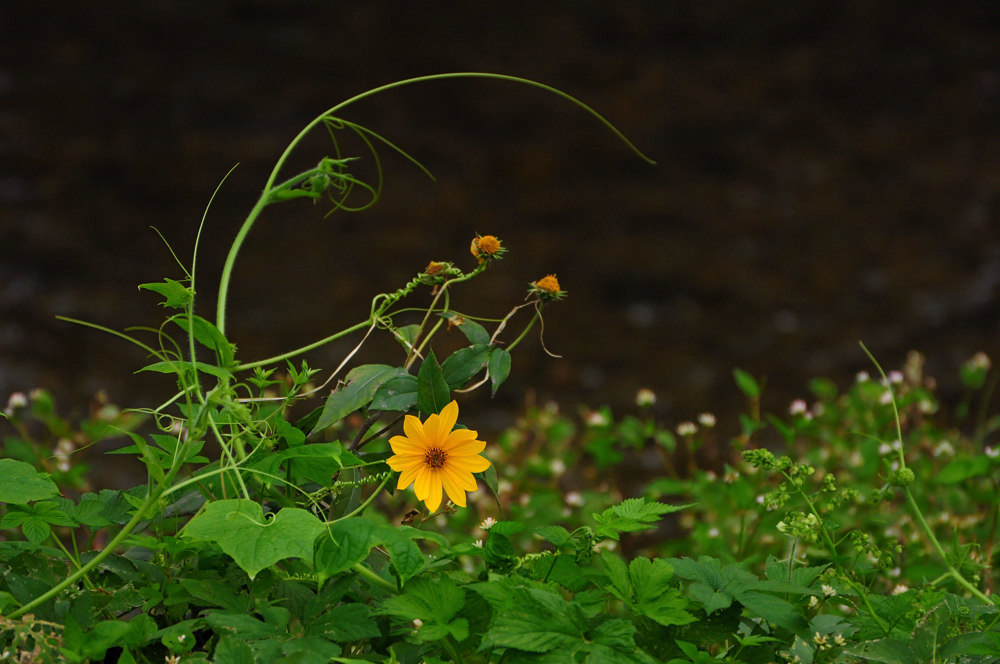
[(458, 436), (463, 479), (466, 448), (414, 430), (454, 491), (408, 475), (422, 484), (431, 435), (472, 464), (405, 446), (433, 500), (449, 416)]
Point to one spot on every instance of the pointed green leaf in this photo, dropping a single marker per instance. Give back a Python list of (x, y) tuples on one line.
[(463, 364), (433, 393), (499, 366), (356, 392), (178, 295), (747, 383), (473, 331)]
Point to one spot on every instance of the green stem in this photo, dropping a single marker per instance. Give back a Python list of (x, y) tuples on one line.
[(524, 332), (112, 545), (368, 502), (374, 578), (269, 186), (452, 650), (304, 349), (955, 574)]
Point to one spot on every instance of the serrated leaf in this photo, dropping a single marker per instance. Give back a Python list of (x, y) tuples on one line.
[(357, 391), (23, 484), (177, 294), (432, 601), (231, 650), (463, 364), (433, 393), (557, 536), (499, 368), (538, 622), (404, 554), (239, 527)]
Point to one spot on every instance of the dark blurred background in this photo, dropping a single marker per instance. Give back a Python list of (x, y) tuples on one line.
[(828, 172)]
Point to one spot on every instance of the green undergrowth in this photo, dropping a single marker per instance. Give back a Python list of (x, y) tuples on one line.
[(306, 516)]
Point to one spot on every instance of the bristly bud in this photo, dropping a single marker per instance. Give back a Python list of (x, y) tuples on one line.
[(547, 288), (902, 477), (485, 247)]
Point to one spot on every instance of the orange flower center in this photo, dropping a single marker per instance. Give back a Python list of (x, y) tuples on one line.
[(488, 244), (549, 283), (435, 457)]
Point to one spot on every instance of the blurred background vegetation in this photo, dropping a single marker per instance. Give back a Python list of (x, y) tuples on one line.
[(828, 172)]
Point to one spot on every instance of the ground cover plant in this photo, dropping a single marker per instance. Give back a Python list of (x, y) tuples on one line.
[(374, 527)]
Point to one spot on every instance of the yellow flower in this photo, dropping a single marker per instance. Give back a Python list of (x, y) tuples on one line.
[(432, 457), (487, 246)]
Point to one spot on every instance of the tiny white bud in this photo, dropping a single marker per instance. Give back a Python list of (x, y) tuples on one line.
[(417, 623), (488, 523), (707, 420), (713, 532), (992, 452), (797, 407), (557, 466), (862, 377), (478, 544), (895, 377), (886, 398), (828, 591), (687, 429), (574, 499), (645, 397), (900, 589)]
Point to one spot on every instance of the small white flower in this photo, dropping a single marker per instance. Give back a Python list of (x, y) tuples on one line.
[(713, 532), (574, 499), (895, 377), (944, 448), (524, 500), (797, 407), (886, 398), (895, 572), (884, 448), (707, 420), (645, 397), (181, 638), (710, 475), (828, 591), (862, 377), (478, 544), (417, 623), (172, 659), (981, 361), (760, 500), (813, 602), (992, 452), (687, 429), (595, 419), (63, 466), (839, 640), (731, 476), (900, 589), (17, 400), (557, 466), (488, 523)]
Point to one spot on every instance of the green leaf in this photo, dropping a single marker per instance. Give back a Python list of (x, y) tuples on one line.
[(357, 391), (499, 368), (473, 331), (180, 367), (404, 554), (435, 602), (346, 543), (23, 484), (208, 335), (178, 295), (621, 584), (232, 650), (398, 394), (538, 622), (406, 335), (463, 364), (433, 393), (35, 520), (632, 515), (347, 622), (962, 469), (747, 383), (557, 536), (254, 543)]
